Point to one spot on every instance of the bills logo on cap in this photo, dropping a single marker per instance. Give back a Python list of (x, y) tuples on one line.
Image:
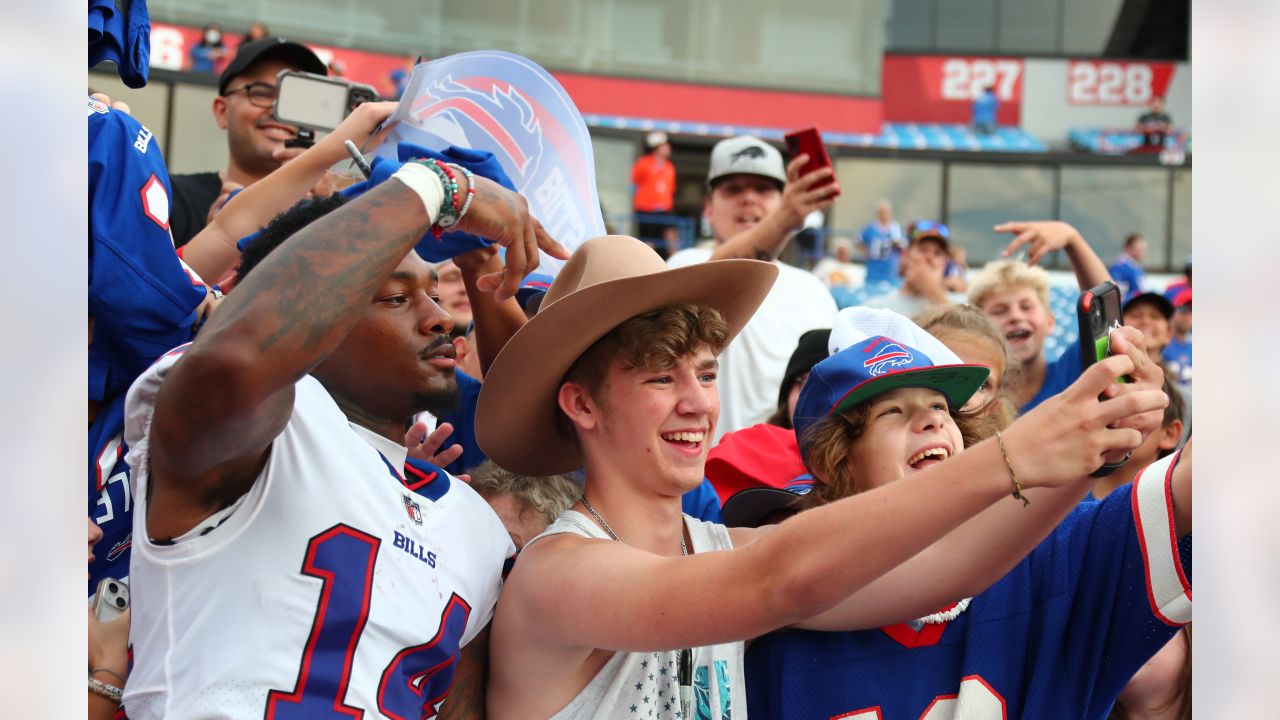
[(412, 509), (888, 356), (509, 106)]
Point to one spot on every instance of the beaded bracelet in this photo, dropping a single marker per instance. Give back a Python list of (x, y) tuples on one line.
[(451, 218), (471, 193), (451, 190), (1017, 486), (110, 692)]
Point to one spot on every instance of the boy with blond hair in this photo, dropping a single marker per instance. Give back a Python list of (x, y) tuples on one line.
[(1015, 295)]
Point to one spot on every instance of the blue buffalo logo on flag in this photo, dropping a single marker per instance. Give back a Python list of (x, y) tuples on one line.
[(509, 106), (887, 356), (412, 509)]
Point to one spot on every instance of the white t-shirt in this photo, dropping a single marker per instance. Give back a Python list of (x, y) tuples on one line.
[(332, 581), (908, 305), (751, 368), (834, 273)]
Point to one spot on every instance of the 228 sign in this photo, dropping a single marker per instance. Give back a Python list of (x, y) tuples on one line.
[(1116, 83)]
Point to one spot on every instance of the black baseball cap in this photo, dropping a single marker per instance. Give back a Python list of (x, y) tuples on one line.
[(271, 47), (1156, 300), (810, 350)]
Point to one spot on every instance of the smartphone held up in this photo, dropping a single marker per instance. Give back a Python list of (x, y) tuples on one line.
[(809, 142), (316, 102)]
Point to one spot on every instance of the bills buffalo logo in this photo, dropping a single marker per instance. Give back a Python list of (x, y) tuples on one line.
[(120, 548), (412, 509), (501, 120), (887, 357), (750, 152)]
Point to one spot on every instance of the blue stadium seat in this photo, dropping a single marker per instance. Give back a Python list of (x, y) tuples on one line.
[(916, 136)]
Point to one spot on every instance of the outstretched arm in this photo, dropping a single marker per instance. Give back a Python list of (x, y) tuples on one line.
[(1045, 236), (981, 551), (224, 403), (212, 252), (766, 240), (569, 591)]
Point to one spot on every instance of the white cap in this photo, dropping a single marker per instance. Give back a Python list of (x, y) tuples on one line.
[(748, 156), (855, 324), (654, 139)]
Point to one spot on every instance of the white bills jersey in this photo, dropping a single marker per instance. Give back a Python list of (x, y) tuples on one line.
[(335, 587)]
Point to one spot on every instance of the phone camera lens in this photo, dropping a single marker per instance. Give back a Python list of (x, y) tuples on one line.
[(120, 603), (112, 587)]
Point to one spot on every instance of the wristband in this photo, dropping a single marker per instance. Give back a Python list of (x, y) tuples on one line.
[(110, 692), (426, 184)]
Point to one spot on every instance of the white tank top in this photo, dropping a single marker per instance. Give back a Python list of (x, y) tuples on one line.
[(644, 685), (335, 581)]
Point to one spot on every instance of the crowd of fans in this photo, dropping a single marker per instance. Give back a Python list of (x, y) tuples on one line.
[(319, 485)]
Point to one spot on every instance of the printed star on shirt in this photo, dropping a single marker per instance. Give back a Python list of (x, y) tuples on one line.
[(644, 664), (662, 671), (651, 677), (637, 687), (633, 708), (646, 699)]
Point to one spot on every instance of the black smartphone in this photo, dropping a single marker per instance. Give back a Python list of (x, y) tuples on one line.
[(317, 102), (1098, 312)]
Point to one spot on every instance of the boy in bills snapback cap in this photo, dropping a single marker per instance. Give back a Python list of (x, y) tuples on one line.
[(874, 351)]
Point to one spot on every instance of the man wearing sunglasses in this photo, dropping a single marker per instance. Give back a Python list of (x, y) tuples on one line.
[(923, 270), (255, 141)]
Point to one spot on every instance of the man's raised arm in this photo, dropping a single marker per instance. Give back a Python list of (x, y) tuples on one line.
[(232, 393)]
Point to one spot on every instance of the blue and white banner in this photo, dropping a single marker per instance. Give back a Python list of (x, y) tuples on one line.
[(511, 107)]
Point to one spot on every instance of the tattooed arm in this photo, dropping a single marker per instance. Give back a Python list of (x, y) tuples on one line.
[(465, 700), (232, 393)]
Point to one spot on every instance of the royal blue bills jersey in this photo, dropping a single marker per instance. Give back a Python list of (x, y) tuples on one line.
[(1058, 377), (1058, 637), (142, 298), (1130, 276), (463, 419), (110, 498)]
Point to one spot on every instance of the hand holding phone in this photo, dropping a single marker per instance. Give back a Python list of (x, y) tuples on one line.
[(1098, 312), (317, 102), (809, 142)]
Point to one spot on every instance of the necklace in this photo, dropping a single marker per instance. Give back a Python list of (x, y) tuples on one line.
[(684, 668), (684, 549)]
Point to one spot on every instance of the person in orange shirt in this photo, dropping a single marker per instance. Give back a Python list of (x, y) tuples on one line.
[(653, 179)]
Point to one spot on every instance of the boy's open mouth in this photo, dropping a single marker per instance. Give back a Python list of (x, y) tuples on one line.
[(928, 457)]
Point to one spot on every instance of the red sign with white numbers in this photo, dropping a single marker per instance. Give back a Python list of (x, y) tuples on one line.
[(941, 89), (1092, 82)]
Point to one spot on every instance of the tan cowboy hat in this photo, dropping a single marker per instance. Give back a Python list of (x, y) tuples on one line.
[(606, 281)]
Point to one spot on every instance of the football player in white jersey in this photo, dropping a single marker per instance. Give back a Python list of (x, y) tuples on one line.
[(284, 564)]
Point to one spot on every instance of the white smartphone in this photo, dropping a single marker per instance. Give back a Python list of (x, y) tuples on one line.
[(111, 599)]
